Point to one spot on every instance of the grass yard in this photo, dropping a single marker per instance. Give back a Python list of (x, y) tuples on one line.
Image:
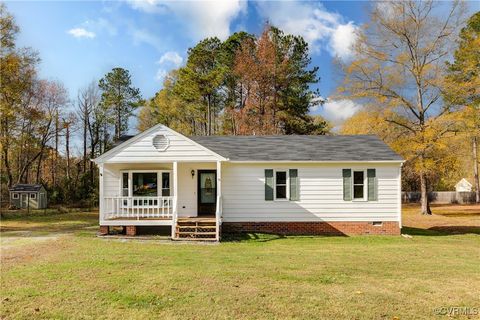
[(54, 267)]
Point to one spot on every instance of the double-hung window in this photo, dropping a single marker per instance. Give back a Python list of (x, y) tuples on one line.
[(165, 184), (359, 185), (281, 184)]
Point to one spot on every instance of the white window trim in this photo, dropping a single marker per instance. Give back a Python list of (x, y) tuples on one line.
[(33, 196), (15, 195), (365, 185), (159, 181), (287, 186)]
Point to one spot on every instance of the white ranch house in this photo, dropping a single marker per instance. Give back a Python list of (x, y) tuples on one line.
[(202, 186)]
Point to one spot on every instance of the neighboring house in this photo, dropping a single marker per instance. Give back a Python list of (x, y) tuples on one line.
[(202, 186), (32, 196), (463, 186)]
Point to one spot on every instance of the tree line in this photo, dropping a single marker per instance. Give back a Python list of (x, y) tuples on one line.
[(415, 73), (420, 102), (39, 122), (245, 85)]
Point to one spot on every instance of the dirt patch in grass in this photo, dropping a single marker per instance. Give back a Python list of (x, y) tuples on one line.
[(38, 250), (453, 219)]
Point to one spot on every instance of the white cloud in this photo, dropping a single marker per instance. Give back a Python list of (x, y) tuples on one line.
[(81, 33), (205, 18), (149, 6), (100, 25), (144, 36), (338, 111), (91, 28), (386, 8), (171, 57), (168, 61), (343, 39), (320, 28)]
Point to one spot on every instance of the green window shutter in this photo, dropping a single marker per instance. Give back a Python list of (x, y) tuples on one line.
[(372, 185), (347, 184), (294, 189), (269, 184)]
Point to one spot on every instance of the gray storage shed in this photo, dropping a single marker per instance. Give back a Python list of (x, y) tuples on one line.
[(32, 196)]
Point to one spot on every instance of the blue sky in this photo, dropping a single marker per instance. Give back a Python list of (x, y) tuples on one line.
[(79, 42)]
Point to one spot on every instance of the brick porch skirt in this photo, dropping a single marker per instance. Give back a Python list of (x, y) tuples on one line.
[(313, 228)]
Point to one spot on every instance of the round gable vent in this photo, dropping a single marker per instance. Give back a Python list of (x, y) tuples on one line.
[(160, 142)]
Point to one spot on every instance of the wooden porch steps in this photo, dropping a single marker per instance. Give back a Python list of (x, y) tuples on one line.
[(203, 229)]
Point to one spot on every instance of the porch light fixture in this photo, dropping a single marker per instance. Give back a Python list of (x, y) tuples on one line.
[(192, 173)]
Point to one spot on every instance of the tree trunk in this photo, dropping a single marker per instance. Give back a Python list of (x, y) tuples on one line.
[(209, 118), (39, 168), (475, 170), (119, 124), (85, 125), (5, 149), (67, 149), (6, 163), (425, 205), (55, 155)]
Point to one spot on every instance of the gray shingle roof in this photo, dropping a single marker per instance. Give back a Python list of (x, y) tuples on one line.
[(299, 148), (26, 187)]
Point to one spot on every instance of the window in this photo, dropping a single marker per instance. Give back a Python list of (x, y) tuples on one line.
[(165, 184), (33, 196), (359, 185), (125, 184), (280, 185), (144, 184), (15, 195)]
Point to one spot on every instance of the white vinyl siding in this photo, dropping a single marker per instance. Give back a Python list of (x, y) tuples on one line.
[(321, 194)]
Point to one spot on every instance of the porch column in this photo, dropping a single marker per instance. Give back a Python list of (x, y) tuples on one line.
[(175, 198), (218, 211), (101, 201)]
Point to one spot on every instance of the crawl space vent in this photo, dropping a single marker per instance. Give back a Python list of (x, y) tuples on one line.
[(160, 142)]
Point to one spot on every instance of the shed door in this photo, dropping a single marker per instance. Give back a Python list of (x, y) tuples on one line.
[(24, 203)]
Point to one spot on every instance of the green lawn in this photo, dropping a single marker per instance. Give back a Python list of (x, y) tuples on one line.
[(54, 267)]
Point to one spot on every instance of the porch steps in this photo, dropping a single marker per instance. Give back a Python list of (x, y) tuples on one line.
[(197, 229)]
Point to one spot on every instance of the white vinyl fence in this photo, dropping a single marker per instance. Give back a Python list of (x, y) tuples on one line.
[(440, 197)]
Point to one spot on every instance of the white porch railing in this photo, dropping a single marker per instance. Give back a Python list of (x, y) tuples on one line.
[(138, 207)]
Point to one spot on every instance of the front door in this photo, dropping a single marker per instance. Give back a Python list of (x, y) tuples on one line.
[(207, 192)]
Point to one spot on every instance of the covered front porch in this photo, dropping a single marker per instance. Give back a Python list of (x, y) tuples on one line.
[(184, 195)]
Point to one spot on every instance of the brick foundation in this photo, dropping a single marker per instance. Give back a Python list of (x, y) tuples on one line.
[(313, 228), (131, 230), (104, 230)]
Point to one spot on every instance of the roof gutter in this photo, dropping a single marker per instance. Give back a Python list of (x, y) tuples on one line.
[(318, 161)]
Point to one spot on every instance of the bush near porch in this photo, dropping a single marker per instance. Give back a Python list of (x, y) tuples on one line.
[(54, 267)]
